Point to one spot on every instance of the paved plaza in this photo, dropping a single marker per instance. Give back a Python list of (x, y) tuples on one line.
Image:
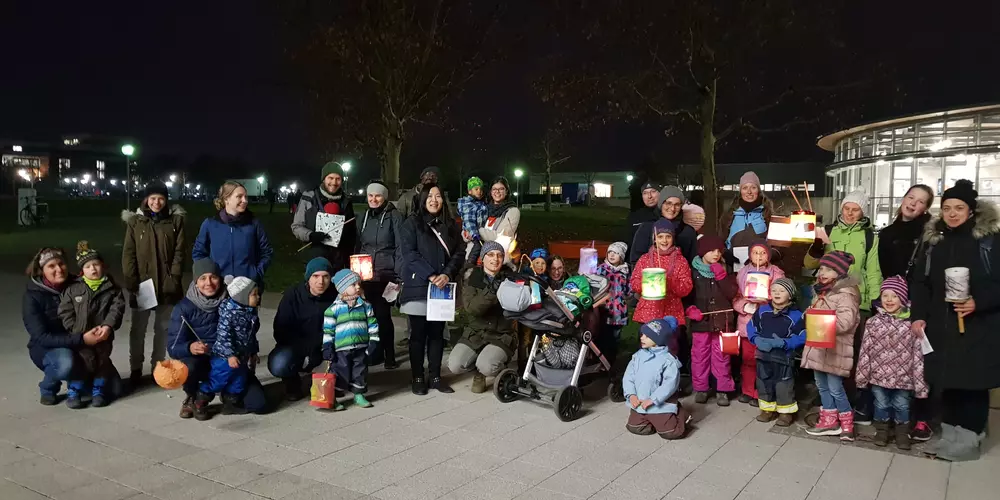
[(461, 446)]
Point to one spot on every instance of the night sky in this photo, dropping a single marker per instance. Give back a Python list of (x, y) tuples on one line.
[(191, 78)]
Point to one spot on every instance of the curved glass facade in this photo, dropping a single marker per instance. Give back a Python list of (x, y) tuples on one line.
[(886, 159)]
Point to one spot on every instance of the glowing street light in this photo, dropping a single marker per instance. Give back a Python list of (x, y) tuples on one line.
[(128, 150), (630, 177), (292, 187), (346, 166), (173, 177), (260, 186), (170, 184), (198, 187), (518, 173)]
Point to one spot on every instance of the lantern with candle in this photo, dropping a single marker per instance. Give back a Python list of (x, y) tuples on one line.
[(654, 283), (821, 328), (362, 265), (757, 286), (803, 226), (729, 343), (588, 260)]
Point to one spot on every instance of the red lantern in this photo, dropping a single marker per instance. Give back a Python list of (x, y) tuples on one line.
[(322, 393), (821, 328), (362, 264), (729, 342)]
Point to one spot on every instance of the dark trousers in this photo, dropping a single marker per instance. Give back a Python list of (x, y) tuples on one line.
[(288, 362), (776, 387), (426, 337), (199, 368), (385, 351), (966, 409), (351, 367), (667, 425)]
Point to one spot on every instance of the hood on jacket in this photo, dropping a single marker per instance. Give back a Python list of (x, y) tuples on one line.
[(847, 284), (36, 284), (128, 215), (987, 222)]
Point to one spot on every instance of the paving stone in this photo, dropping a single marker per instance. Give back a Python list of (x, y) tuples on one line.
[(278, 485), (152, 477), (201, 461), (489, 487), (323, 469), (247, 448), (101, 490), (237, 473), (195, 488), (574, 485), (46, 476), (282, 458), (13, 491)]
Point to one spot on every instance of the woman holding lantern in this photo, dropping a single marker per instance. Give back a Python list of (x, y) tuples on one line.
[(502, 218), (380, 263), (955, 292)]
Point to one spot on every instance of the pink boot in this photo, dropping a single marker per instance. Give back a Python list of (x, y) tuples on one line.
[(827, 425), (846, 426)]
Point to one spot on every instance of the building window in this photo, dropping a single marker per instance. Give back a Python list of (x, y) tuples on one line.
[(602, 190), (100, 169), (989, 175), (556, 189), (71, 142), (63, 167)]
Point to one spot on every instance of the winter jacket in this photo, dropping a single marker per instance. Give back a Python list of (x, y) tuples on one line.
[(486, 325), (844, 298), (236, 334), (473, 213), (81, 308), (505, 224), (896, 244), (619, 290), (378, 236), (299, 320), (347, 327), (154, 248), (239, 247), (636, 219), (710, 295), (40, 313), (852, 239), (746, 227), (312, 203), (424, 255), (653, 374), (685, 239), (891, 356), (788, 324), (410, 198), (180, 335), (741, 302), (967, 360), (678, 286)]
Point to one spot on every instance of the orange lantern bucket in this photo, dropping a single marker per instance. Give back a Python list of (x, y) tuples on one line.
[(362, 265), (170, 374), (821, 328)]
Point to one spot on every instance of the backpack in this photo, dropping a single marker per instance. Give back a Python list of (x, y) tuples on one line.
[(985, 249)]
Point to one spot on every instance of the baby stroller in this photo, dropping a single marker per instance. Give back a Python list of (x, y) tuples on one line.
[(563, 323)]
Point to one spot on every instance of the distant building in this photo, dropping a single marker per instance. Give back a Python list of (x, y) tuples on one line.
[(82, 163)]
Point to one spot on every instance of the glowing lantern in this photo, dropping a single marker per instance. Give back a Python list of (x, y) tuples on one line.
[(588, 260), (803, 226), (729, 342), (821, 328), (757, 287), (654, 283), (322, 394), (362, 264), (170, 374)]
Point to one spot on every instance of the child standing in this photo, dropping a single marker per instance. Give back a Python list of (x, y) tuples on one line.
[(665, 255), (892, 362), (760, 262), (472, 209), (651, 382), (837, 291), (714, 291), (348, 326), (777, 329), (234, 353), (615, 269), (94, 302)]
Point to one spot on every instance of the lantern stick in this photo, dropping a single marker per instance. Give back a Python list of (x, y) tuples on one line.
[(796, 198), (961, 324), (805, 186), (716, 312)]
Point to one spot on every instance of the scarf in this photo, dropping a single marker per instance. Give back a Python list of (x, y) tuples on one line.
[(94, 284), (229, 219), (702, 268), (821, 288), (903, 313), (59, 288), (497, 210), (207, 304), (332, 197), (664, 253), (752, 205), (621, 268)]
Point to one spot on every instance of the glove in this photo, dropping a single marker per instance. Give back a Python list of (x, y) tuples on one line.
[(694, 313), (750, 308), (719, 271), (763, 344), (317, 238), (817, 248)]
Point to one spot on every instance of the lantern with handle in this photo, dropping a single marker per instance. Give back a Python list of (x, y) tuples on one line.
[(588, 260), (757, 286), (803, 226), (654, 283), (362, 265), (821, 328)]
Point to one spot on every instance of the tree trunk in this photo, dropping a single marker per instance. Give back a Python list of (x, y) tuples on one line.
[(391, 147), (706, 114), (548, 186)]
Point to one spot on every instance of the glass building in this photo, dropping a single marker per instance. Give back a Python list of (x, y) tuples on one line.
[(886, 158)]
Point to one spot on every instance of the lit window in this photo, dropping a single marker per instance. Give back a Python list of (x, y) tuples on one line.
[(71, 142), (17, 149), (100, 169), (768, 187), (812, 187), (602, 190), (556, 189), (63, 166)]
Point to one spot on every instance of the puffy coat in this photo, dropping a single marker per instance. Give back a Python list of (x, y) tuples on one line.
[(844, 298), (685, 239), (787, 324), (970, 360), (506, 224), (852, 239), (653, 374), (239, 247), (891, 356), (709, 294), (740, 303), (82, 308), (154, 248), (746, 227), (619, 290), (40, 313), (201, 326), (486, 322), (378, 236), (678, 286), (424, 255), (299, 319), (237, 331), (896, 244)]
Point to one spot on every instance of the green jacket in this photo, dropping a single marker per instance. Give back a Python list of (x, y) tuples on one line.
[(851, 239), (486, 323), (155, 249)]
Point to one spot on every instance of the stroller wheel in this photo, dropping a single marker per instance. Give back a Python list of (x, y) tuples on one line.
[(615, 392), (568, 403), (505, 386)]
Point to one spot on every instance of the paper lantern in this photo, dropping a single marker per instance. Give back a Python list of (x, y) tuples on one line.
[(362, 264), (588, 260), (821, 328), (729, 342), (803, 226), (757, 286), (956, 284), (323, 393), (654, 283), (170, 374)]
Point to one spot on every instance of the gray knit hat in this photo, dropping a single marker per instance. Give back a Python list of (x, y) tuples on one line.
[(788, 285), (204, 266), (490, 246), (670, 192), (620, 248), (240, 288)]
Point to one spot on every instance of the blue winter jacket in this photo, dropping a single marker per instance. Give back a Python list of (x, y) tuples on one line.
[(237, 331), (180, 337), (239, 247), (743, 220), (653, 374), (787, 325)]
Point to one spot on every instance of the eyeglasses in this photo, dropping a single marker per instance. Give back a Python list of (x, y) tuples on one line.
[(672, 204), (498, 190)]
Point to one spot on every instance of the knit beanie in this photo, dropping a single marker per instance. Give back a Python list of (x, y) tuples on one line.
[(838, 261), (669, 192), (962, 190), (749, 177), (155, 187), (239, 289), (857, 196), (430, 170), (660, 331), (474, 182), (664, 226), (85, 254), (204, 266), (788, 285), (539, 253), (651, 185), (490, 246), (316, 265), (331, 167), (345, 278), (710, 242), (898, 286), (49, 254), (693, 215), (376, 187), (620, 248)]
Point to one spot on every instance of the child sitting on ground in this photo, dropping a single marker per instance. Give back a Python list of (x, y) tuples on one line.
[(615, 269), (234, 353), (664, 255), (472, 209), (777, 329), (348, 326), (711, 314), (93, 303), (745, 307), (892, 362), (651, 381), (835, 291)]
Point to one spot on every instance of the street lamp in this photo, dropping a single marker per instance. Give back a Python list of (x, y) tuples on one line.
[(173, 177), (629, 177), (128, 150), (260, 186), (518, 173)]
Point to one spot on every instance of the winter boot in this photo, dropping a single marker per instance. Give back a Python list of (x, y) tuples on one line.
[(201, 402), (418, 386), (785, 419), (882, 433), (441, 386), (745, 399), (73, 400), (846, 426), (187, 407), (766, 416), (231, 405), (361, 402), (943, 442), (700, 397), (478, 383), (753, 402), (722, 399), (903, 435), (48, 399), (964, 447), (293, 388), (827, 424)]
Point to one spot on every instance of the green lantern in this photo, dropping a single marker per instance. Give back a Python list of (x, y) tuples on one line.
[(654, 283)]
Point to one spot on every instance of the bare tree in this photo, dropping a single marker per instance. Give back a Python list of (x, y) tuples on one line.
[(551, 152)]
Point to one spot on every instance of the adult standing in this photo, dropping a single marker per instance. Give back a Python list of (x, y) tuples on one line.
[(648, 212), (154, 249), (488, 342), (899, 241), (51, 348), (669, 201), (964, 366), (502, 215), (378, 236), (432, 255), (298, 327), (409, 200), (330, 197), (234, 239), (749, 214)]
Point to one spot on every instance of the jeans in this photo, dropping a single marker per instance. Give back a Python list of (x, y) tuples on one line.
[(891, 404), (426, 337), (488, 361), (383, 314), (137, 335), (831, 391), (287, 362), (57, 365)]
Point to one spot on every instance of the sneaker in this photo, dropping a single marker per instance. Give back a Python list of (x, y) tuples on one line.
[(419, 386), (700, 397), (48, 399), (902, 435), (231, 405), (99, 400), (881, 433), (827, 424), (846, 426), (722, 399), (753, 402), (187, 407), (338, 406), (73, 401), (440, 386), (862, 418), (745, 399), (766, 416), (785, 419), (478, 383), (360, 401), (921, 432)]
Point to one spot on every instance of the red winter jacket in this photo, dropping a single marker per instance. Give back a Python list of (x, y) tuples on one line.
[(679, 285)]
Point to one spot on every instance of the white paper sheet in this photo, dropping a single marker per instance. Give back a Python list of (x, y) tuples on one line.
[(146, 298), (742, 254), (441, 302), (332, 225), (925, 345), (391, 292)]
